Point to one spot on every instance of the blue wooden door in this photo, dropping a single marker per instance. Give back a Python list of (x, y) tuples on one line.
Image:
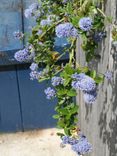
[(23, 105), (10, 108)]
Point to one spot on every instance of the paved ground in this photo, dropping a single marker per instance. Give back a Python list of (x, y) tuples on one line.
[(34, 143)]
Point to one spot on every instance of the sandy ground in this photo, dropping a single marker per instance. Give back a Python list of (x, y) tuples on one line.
[(33, 143)]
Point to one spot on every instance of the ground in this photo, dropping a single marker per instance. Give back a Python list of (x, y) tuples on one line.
[(33, 143)]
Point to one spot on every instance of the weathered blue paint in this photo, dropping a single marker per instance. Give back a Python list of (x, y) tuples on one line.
[(10, 21), (37, 111), (23, 104), (28, 23), (10, 116)]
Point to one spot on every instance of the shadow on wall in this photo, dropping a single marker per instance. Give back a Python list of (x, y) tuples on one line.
[(108, 124), (108, 115)]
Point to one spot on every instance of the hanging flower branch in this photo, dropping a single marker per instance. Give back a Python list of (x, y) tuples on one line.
[(70, 19)]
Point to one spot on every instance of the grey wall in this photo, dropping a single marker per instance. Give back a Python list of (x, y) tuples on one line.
[(99, 121)]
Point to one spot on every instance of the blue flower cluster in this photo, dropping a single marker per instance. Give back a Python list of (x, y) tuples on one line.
[(85, 23), (80, 144), (35, 75), (40, 43), (78, 77), (66, 30), (24, 55), (90, 97), (57, 81), (34, 66), (82, 147), (85, 84), (45, 22), (50, 93), (33, 10), (108, 75), (69, 140), (18, 35), (39, 32), (98, 36), (65, 1)]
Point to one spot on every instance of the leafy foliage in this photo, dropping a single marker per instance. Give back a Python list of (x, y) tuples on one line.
[(75, 18)]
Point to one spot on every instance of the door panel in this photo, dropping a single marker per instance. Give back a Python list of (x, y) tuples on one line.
[(37, 111), (23, 105), (10, 115)]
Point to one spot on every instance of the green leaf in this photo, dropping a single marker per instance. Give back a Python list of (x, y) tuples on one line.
[(60, 134), (99, 79), (72, 92), (74, 110), (61, 124), (43, 79), (76, 120), (56, 116), (82, 69), (61, 102), (67, 131), (64, 111), (67, 81), (62, 92), (64, 75), (69, 70), (93, 74)]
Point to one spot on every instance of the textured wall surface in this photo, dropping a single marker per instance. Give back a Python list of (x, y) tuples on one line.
[(99, 121)]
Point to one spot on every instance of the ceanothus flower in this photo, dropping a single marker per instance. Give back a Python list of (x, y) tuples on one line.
[(40, 43), (69, 140), (66, 30), (33, 10), (28, 13), (24, 55), (82, 147), (37, 14), (30, 47), (50, 93), (108, 75), (65, 1), (52, 17), (65, 139), (90, 97), (34, 66), (78, 77), (35, 75), (87, 84), (34, 6), (83, 82), (98, 36), (56, 81), (45, 22), (75, 84), (18, 35), (74, 32), (85, 23), (39, 32)]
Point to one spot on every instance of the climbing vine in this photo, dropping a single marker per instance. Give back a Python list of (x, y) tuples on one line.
[(71, 20)]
